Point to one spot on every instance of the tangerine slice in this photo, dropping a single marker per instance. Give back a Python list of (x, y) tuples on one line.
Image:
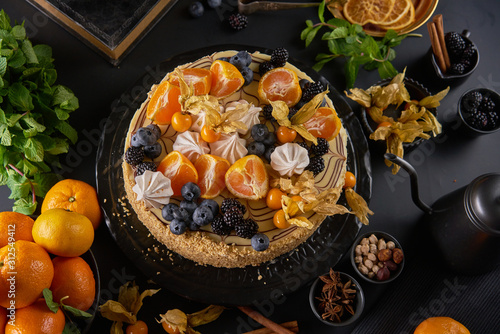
[(211, 174), (179, 170), (200, 78), (401, 7), (280, 84), (367, 11), (226, 79), (164, 103), (404, 21), (324, 123), (247, 178)]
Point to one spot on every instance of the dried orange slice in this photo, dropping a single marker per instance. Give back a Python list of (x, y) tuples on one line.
[(164, 103), (247, 178), (211, 174), (367, 11), (399, 10), (200, 78), (226, 79), (280, 84), (324, 123), (179, 170), (404, 21)]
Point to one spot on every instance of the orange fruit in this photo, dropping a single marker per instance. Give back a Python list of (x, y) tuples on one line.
[(3, 320), (63, 233), (179, 170), (324, 123), (211, 172), (209, 135), (77, 196), (140, 327), (164, 103), (441, 325), (37, 319), (15, 226), (247, 178), (73, 278), (29, 266), (280, 84), (226, 79), (349, 180), (181, 122), (285, 134), (199, 78), (279, 219), (367, 11), (273, 198)]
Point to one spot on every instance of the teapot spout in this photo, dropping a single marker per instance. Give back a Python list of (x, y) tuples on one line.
[(413, 179)]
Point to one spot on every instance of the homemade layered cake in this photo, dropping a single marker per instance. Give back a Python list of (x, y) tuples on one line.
[(235, 159)]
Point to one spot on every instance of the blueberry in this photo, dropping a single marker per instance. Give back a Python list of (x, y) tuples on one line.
[(214, 3), (182, 214), (259, 132), (203, 216), (178, 227), (168, 210), (190, 191), (260, 242), (196, 9), (188, 205), (156, 130), (193, 226), (213, 205), (153, 151), (270, 139), (256, 148), (134, 141), (145, 136), (269, 151), (241, 60), (247, 74)]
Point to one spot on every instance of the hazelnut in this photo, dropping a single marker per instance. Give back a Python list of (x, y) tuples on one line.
[(368, 264), (371, 274), (383, 274), (391, 265), (358, 259), (373, 239), (384, 255), (357, 250), (390, 244), (364, 241), (373, 249), (365, 249), (397, 255), (372, 257), (362, 268), (381, 244), (375, 269)]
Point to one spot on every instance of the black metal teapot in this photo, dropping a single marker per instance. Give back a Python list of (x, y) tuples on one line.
[(465, 224)]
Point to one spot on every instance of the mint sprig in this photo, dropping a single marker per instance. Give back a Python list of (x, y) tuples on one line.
[(34, 113), (350, 41)]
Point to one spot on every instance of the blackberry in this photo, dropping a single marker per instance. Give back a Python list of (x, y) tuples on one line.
[(267, 111), (279, 57), (478, 120), (144, 166), (469, 52), (322, 147), (487, 104), (472, 100), (304, 145), (316, 165), (134, 155), (227, 203), (233, 217), (219, 227), (457, 68), (265, 67), (492, 119), (455, 44), (238, 21), (311, 89), (291, 112), (246, 229)]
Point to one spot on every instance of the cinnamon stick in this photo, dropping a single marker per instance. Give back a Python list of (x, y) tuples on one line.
[(436, 47), (264, 321), (291, 325), (438, 20)]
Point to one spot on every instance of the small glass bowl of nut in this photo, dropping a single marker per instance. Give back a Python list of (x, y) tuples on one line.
[(377, 257)]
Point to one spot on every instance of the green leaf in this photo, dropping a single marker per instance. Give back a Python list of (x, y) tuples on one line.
[(4, 176), (351, 69), (18, 59), (27, 167), (33, 150), (321, 11), (61, 114), (19, 185), (387, 70), (311, 35), (24, 206), (20, 98), (31, 122), (43, 182), (13, 119), (47, 142), (31, 132), (49, 300), (18, 32), (5, 136), (68, 131), (339, 33), (29, 53), (50, 76), (76, 312), (71, 328), (3, 66), (4, 21), (61, 146), (43, 53)]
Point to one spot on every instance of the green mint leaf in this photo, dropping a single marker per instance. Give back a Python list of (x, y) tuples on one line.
[(20, 98), (4, 176), (5, 136), (50, 76), (19, 185), (33, 150), (27, 167), (70, 328), (47, 142), (319, 65), (29, 53), (42, 183), (339, 33), (24, 206), (61, 146), (4, 21), (49, 300), (305, 32), (311, 35), (387, 70), (31, 122), (31, 132), (68, 131), (335, 22), (13, 119), (18, 59), (8, 40), (76, 312), (61, 114), (43, 53), (351, 71), (3, 66), (321, 11), (18, 32), (61, 95)]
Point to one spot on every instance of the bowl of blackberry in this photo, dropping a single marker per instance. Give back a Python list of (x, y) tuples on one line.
[(479, 111), (463, 54)]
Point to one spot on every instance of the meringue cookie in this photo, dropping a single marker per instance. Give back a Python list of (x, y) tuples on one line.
[(251, 117), (191, 145), (230, 147), (289, 159), (153, 188)]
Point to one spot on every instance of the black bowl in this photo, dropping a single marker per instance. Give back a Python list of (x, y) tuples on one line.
[(474, 62), (464, 112), (359, 301), (387, 237)]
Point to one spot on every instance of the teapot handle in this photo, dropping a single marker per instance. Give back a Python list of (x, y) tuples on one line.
[(413, 178)]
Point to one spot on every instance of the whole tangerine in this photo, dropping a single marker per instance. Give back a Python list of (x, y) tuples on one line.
[(440, 325), (37, 318), (15, 226)]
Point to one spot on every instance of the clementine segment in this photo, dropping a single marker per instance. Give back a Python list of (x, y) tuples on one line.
[(177, 167), (211, 174), (164, 103), (324, 123), (37, 319), (29, 266), (247, 178), (15, 226), (226, 79), (441, 325), (280, 84), (199, 78), (74, 279), (76, 196)]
